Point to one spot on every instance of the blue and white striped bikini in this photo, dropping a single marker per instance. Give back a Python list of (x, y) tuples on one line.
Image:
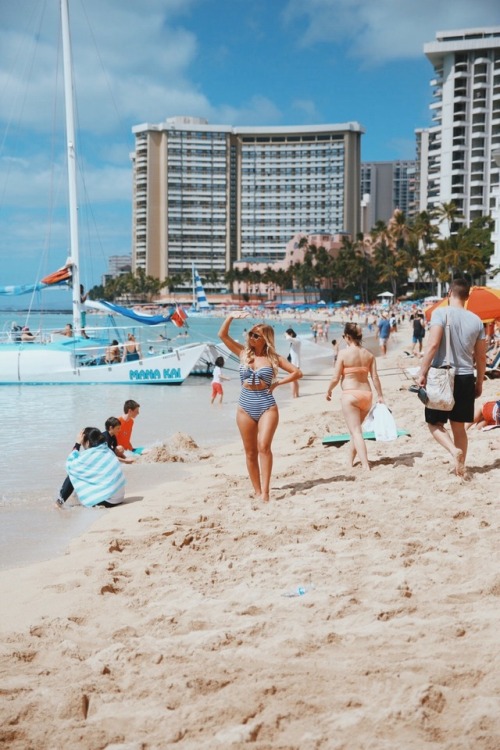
[(255, 403)]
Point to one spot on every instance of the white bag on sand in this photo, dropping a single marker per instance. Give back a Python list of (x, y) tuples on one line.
[(384, 425)]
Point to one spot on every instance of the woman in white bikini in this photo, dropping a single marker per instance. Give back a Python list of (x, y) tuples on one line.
[(257, 415), (354, 365)]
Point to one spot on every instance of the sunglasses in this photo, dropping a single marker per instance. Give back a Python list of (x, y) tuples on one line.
[(253, 335)]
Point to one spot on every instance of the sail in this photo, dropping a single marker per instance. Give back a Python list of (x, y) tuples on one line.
[(148, 320), (59, 276), (16, 290), (201, 302)]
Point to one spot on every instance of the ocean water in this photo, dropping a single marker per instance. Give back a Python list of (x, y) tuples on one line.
[(39, 425)]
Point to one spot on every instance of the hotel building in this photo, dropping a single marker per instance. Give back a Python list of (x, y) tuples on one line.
[(385, 187), (212, 194), (466, 122)]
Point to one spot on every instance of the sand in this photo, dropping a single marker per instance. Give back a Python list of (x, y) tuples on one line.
[(167, 623)]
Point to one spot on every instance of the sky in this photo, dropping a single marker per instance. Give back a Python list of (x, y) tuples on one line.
[(233, 62)]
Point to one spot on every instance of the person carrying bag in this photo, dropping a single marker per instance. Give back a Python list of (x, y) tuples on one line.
[(454, 360)]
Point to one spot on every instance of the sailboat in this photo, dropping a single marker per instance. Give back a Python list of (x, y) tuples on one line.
[(79, 359), (200, 302)]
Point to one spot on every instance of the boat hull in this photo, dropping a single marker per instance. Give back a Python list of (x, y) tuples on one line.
[(56, 364)]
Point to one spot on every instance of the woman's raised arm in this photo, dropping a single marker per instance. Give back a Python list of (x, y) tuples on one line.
[(234, 346)]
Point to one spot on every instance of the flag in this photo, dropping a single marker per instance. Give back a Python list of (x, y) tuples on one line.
[(178, 317)]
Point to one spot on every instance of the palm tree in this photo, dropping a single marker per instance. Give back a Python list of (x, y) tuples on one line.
[(447, 214), (284, 280), (353, 267), (212, 277), (325, 271), (424, 232)]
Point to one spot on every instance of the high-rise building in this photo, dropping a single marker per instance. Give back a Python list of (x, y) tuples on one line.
[(466, 120), (117, 266), (211, 194), (422, 169), (390, 185)]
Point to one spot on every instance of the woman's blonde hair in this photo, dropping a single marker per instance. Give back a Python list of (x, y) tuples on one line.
[(269, 351)]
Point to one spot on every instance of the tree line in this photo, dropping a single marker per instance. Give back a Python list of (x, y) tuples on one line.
[(410, 257)]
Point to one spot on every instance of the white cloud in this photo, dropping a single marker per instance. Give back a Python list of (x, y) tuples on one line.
[(377, 31), (130, 64), (308, 109), (258, 110)]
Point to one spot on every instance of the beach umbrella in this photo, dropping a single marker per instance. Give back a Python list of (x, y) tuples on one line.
[(385, 294), (483, 300)]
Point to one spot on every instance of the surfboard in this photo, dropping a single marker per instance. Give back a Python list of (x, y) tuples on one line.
[(344, 437)]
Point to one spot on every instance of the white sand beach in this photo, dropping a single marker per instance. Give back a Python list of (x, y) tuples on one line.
[(166, 625)]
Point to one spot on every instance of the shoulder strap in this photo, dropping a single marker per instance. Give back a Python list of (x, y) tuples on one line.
[(447, 360)]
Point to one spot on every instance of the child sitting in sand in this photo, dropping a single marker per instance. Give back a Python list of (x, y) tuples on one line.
[(112, 427)]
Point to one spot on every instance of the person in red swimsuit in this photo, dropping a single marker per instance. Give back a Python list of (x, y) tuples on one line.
[(354, 365), (124, 436)]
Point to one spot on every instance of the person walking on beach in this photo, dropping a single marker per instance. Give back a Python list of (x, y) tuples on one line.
[(217, 378), (418, 333), (468, 350), (354, 365), (335, 347), (384, 331), (257, 414), (294, 357), (124, 436)]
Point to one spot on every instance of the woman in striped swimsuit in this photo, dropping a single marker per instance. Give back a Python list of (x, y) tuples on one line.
[(353, 366), (257, 415)]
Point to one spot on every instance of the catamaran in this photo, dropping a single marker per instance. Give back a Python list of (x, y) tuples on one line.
[(200, 302), (52, 358)]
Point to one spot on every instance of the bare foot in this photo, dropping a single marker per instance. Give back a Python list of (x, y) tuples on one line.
[(257, 501), (458, 457)]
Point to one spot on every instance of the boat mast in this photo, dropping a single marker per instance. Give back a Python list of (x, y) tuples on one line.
[(195, 306), (71, 154)]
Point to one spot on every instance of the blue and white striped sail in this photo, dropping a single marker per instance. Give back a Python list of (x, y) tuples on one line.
[(200, 302)]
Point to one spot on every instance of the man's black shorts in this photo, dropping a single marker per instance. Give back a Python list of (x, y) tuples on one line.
[(464, 392)]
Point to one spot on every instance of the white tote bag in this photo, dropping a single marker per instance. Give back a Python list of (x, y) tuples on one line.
[(440, 380), (384, 425)]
